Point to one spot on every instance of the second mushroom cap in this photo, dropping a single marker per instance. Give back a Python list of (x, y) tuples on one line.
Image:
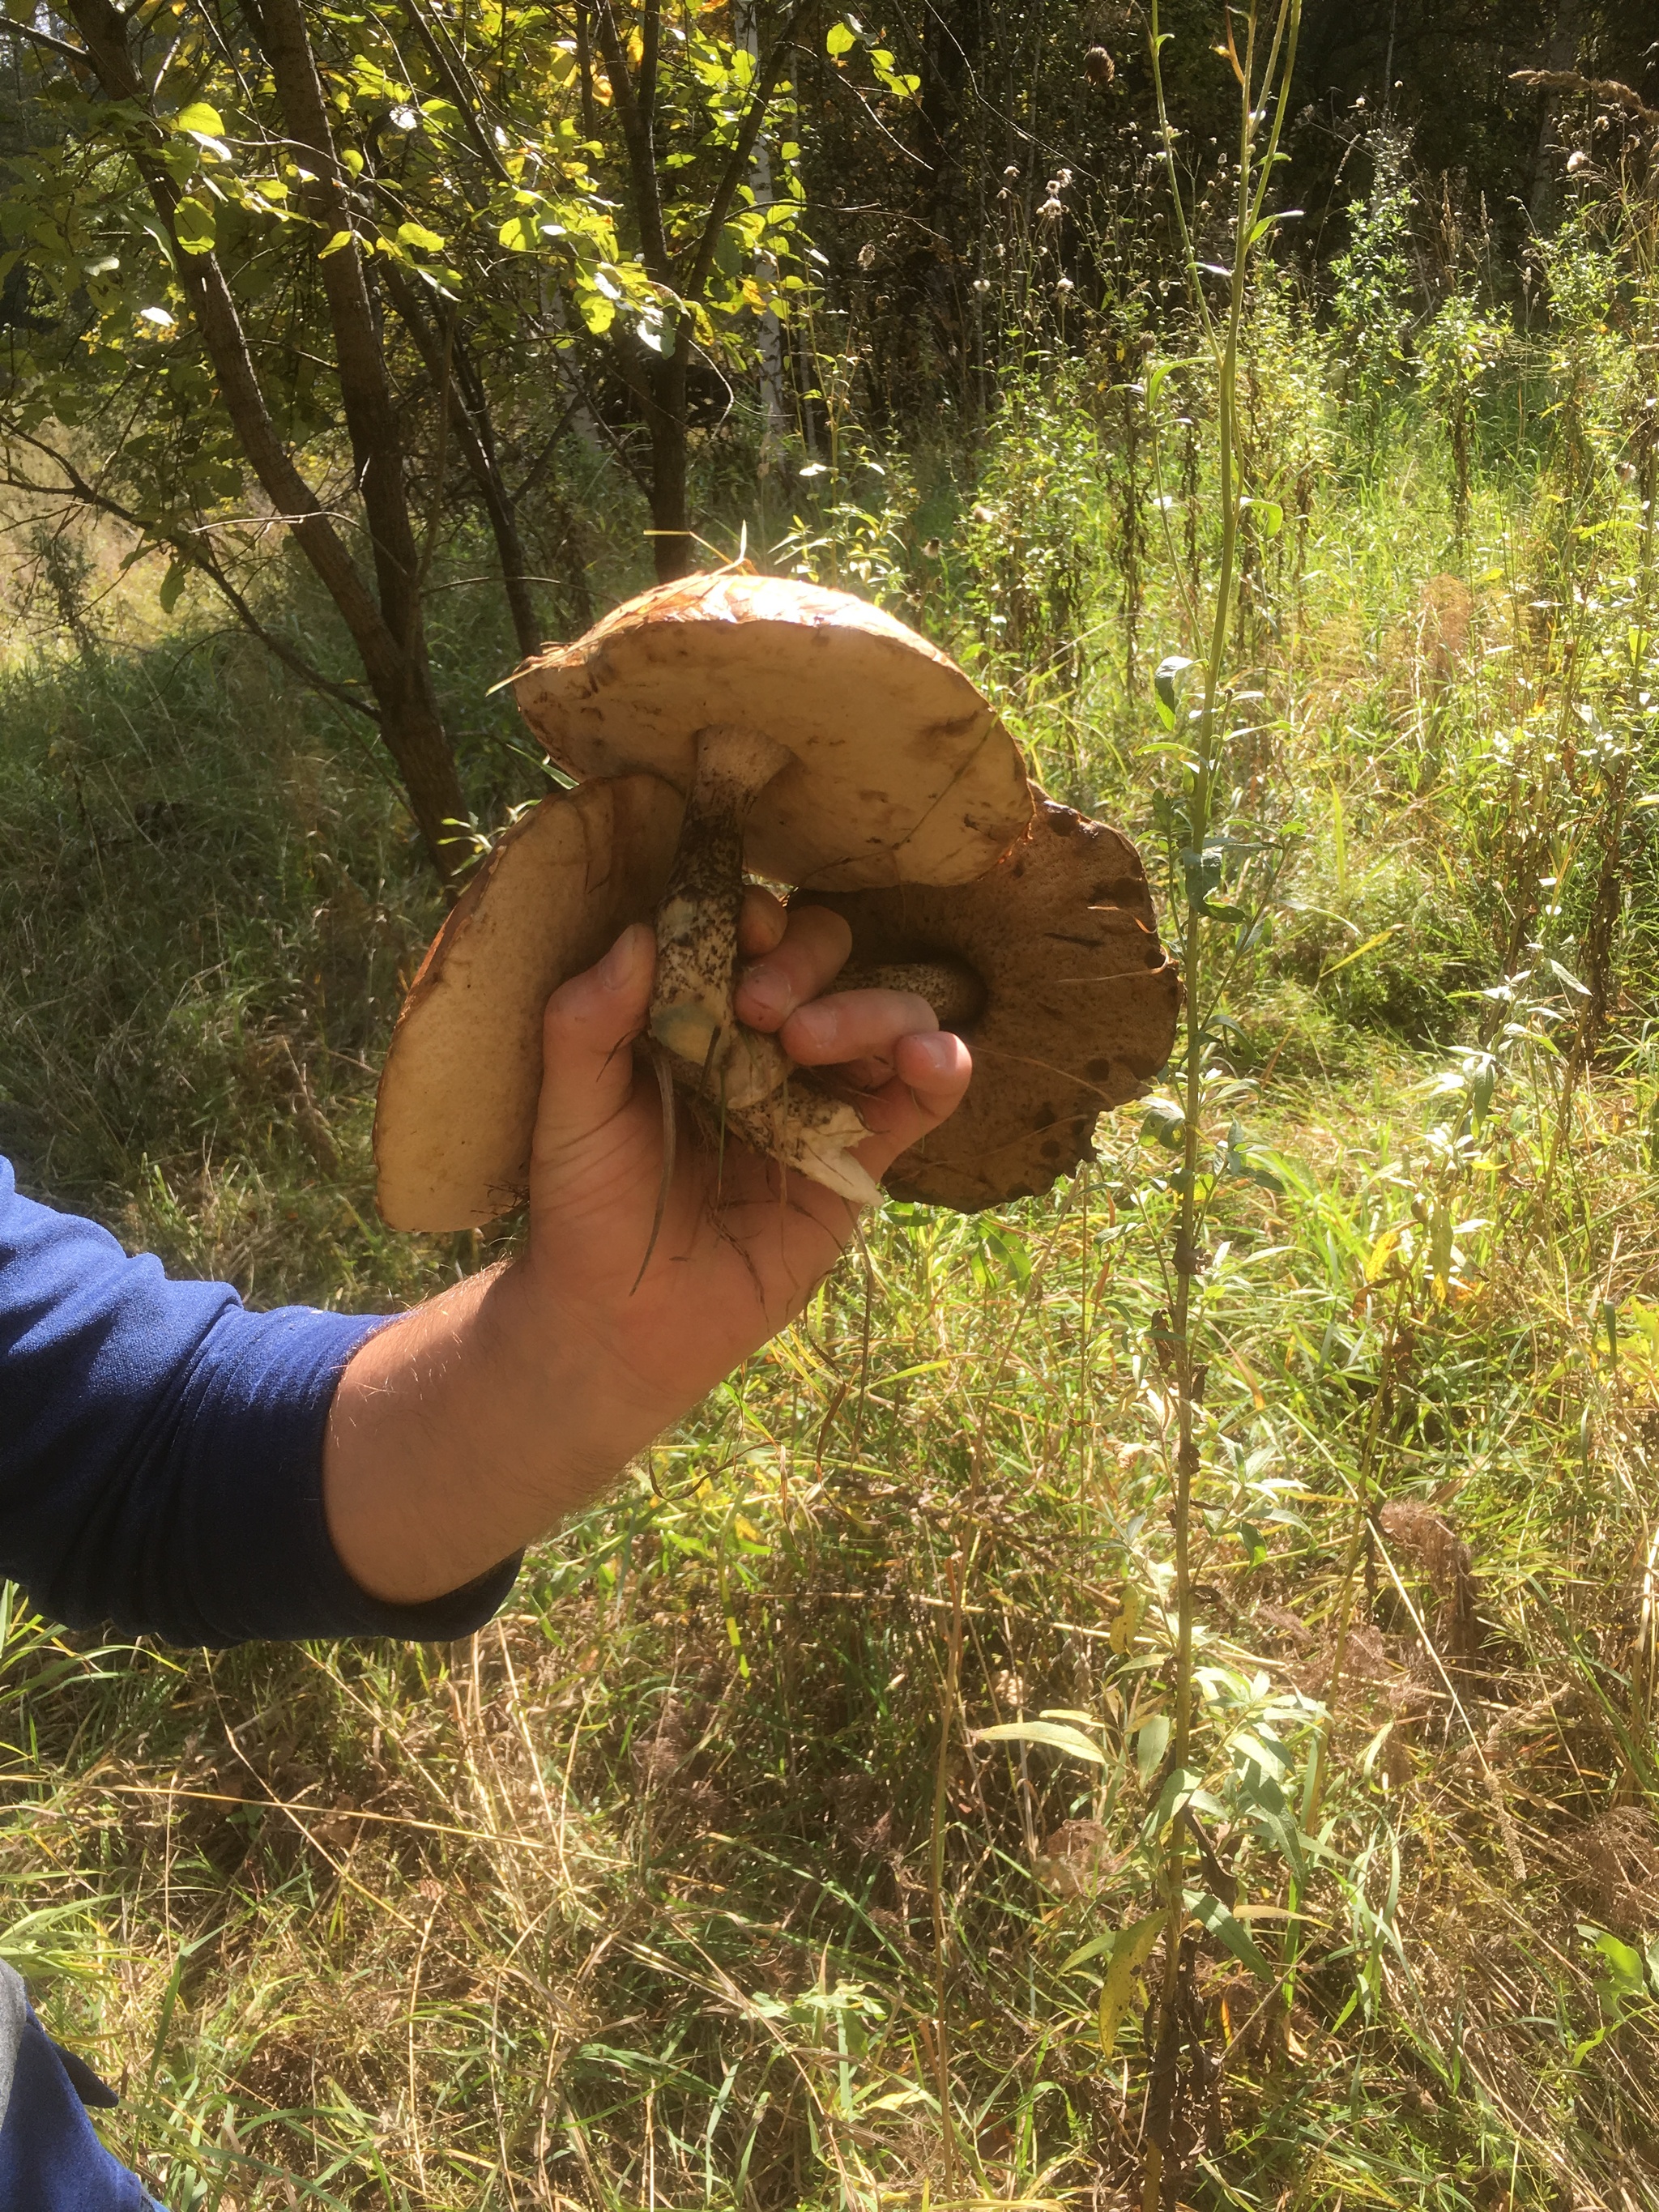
[(1067, 998)]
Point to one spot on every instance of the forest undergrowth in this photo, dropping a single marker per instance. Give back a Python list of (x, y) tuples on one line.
[(695, 1880)]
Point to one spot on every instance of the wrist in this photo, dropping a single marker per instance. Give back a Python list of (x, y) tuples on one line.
[(465, 1430), (578, 1395)]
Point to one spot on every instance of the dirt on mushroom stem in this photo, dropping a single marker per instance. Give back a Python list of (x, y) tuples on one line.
[(691, 1004), (741, 1078), (955, 991)]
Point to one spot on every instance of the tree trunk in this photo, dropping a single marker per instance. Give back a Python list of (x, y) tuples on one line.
[(387, 633), (666, 386), (409, 708)]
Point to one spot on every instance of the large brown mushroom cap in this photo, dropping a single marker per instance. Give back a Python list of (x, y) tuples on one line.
[(457, 1104), (902, 772), (1080, 1010)]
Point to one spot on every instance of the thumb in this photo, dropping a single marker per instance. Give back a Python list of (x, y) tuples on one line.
[(590, 1025)]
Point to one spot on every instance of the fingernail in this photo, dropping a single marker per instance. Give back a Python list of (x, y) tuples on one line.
[(765, 995), (617, 966), (938, 1047), (811, 1025)]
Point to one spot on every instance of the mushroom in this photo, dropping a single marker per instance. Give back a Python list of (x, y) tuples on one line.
[(457, 1103), (1050, 967), (815, 738)]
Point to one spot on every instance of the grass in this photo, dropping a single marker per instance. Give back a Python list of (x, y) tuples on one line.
[(694, 1881)]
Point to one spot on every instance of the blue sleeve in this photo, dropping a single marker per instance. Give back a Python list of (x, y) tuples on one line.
[(160, 1450)]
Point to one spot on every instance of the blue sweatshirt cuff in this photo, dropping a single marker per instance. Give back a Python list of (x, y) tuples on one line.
[(258, 1405)]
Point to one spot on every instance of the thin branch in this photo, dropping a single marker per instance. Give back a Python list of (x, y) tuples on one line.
[(193, 549), (637, 135), (585, 73), (75, 54), (469, 419), (580, 397), (650, 43), (461, 85), (532, 475), (206, 564)]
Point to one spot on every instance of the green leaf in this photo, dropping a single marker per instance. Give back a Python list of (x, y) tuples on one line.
[(839, 39), (1360, 950), (1155, 380), (200, 120), (1625, 1974), (193, 226), (1164, 1123), (1054, 1734), (172, 584), (1090, 1950), (1283, 214), (1165, 677), (336, 243), (1152, 1742), (1131, 1949), (597, 312), (1229, 1929), (416, 234)]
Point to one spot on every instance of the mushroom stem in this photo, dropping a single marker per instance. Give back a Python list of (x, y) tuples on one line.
[(804, 1128), (692, 1011), (951, 988), (737, 1072)]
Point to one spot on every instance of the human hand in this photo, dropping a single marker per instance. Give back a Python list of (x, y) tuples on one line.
[(467, 1428), (741, 1245)]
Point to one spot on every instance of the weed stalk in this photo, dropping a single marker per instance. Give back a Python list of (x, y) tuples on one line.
[(1200, 856)]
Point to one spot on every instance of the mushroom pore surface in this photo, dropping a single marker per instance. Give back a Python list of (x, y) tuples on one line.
[(1079, 1003), (457, 1103)]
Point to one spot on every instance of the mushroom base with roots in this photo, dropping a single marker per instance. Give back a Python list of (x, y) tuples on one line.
[(742, 1076)]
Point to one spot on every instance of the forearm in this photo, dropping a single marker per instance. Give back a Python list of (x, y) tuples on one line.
[(465, 1430)]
